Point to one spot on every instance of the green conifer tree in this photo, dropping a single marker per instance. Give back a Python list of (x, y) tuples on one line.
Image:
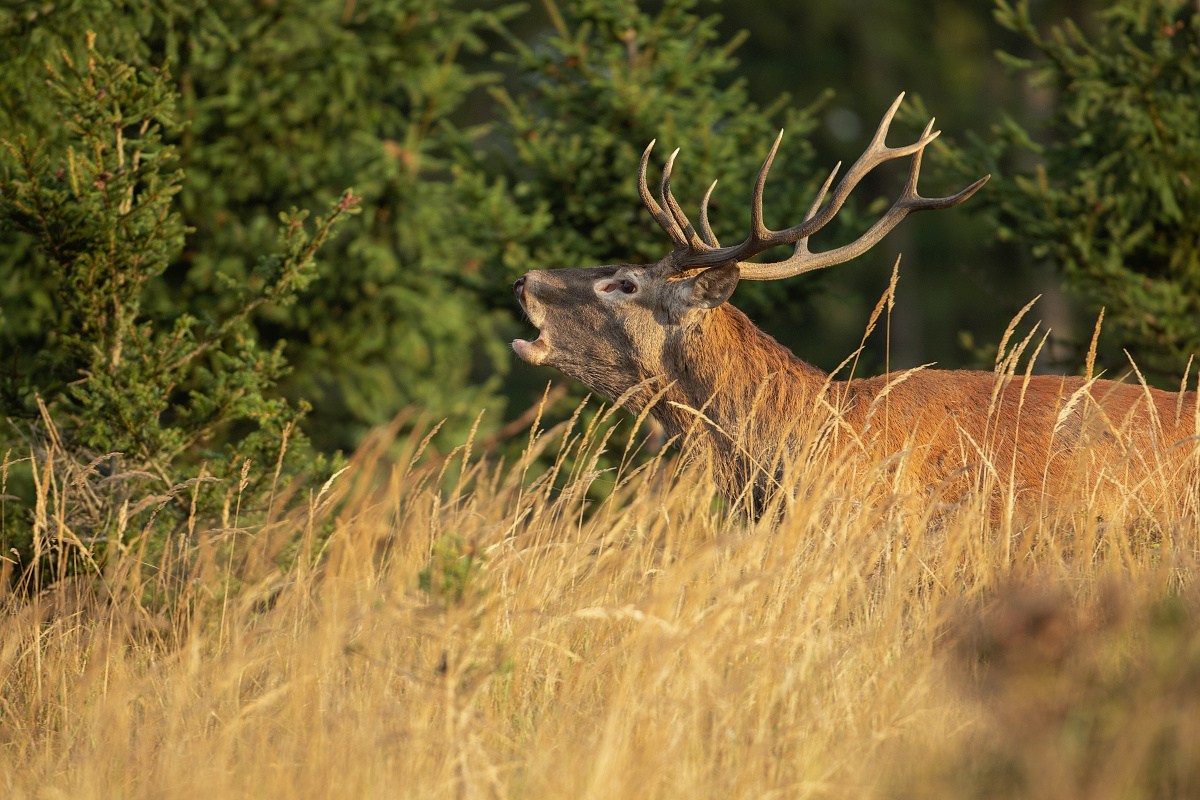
[(141, 420), (1112, 196)]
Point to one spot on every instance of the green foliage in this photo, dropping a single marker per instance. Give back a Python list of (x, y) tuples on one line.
[(610, 79), (285, 104), (1111, 195), (96, 376), (102, 214), (295, 99)]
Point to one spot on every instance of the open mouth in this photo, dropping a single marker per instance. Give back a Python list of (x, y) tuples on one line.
[(537, 350)]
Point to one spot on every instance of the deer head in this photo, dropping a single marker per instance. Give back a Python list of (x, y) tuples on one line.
[(613, 327)]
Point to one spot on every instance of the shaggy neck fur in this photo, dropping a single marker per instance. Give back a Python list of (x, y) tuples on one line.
[(737, 395)]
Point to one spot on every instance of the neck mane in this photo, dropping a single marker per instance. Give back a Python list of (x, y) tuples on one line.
[(735, 393)]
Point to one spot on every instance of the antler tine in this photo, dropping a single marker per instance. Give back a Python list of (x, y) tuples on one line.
[(705, 229), (701, 254), (760, 238), (757, 229), (663, 219), (802, 243), (918, 203), (881, 131), (910, 193), (692, 241), (812, 210)]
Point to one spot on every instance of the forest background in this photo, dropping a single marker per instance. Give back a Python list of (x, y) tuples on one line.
[(168, 314)]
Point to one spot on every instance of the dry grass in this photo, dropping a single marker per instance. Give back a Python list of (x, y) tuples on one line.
[(646, 646)]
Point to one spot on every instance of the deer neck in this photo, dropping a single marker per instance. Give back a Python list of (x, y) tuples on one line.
[(736, 381)]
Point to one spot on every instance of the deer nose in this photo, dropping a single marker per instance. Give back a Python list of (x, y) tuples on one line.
[(519, 287)]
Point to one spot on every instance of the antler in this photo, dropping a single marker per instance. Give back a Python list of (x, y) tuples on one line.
[(701, 250)]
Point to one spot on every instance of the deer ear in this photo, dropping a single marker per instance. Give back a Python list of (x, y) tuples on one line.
[(712, 287)]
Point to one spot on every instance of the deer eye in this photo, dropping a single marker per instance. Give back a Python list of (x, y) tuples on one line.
[(610, 289)]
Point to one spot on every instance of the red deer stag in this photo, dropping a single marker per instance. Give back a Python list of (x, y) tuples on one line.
[(663, 335)]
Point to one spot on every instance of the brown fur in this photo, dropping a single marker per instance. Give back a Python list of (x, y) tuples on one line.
[(944, 420)]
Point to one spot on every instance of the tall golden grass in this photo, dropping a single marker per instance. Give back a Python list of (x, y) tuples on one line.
[(465, 628)]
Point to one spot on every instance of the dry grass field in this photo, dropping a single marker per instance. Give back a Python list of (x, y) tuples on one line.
[(494, 631)]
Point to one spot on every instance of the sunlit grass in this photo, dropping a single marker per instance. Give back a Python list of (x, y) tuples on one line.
[(462, 627)]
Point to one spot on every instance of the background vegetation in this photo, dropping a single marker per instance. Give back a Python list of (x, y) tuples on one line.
[(236, 239)]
